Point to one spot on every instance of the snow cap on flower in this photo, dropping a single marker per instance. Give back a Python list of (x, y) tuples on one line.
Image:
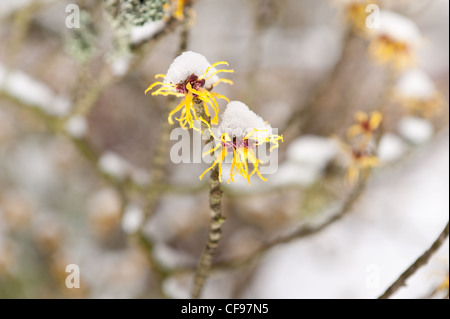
[(415, 84), (238, 121), (398, 28), (189, 63)]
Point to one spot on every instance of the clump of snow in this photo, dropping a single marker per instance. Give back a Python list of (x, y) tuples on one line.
[(34, 93), (312, 151), (238, 120), (307, 157), (132, 219), (391, 148), (398, 28), (172, 258), (178, 287), (141, 33), (115, 165), (28, 90), (120, 65), (290, 173), (77, 126), (415, 130), (415, 84), (189, 63)]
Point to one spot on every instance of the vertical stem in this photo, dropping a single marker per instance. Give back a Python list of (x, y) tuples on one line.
[(217, 219)]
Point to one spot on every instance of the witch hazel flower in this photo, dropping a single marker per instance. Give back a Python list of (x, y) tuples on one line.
[(361, 160), (178, 12), (356, 13), (192, 77), (395, 41), (416, 92), (366, 126), (241, 132)]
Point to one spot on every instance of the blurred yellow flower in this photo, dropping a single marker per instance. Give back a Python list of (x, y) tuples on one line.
[(416, 91), (179, 12), (365, 125), (361, 161), (386, 50), (395, 40), (357, 14)]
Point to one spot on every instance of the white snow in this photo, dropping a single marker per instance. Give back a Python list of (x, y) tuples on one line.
[(120, 65), (189, 63), (139, 34), (391, 148), (77, 126), (307, 157), (416, 130), (132, 219), (293, 173), (398, 28), (361, 255), (113, 164), (312, 151), (415, 84), (172, 258), (178, 287), (34, 93), (238, 120)]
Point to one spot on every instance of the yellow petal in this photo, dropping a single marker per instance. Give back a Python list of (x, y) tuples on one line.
[(178, 108), (354, 130), (361, 117), (375, 120), (153, 85), (353, 173)]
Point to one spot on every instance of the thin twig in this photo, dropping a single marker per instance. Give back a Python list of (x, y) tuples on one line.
[(217, 219), (420, 262), (293, 126)]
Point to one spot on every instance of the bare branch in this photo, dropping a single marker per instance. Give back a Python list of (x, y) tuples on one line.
[(420, 262)]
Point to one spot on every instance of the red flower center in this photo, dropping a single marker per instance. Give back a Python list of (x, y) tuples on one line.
[(235, 143), (366, 126), (195, 83)]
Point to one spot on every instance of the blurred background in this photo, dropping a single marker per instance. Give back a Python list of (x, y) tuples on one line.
[(86, 177)]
